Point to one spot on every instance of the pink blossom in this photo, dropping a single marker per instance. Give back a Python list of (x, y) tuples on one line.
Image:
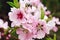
[(17, 16), (23, 35), (39, 31), (3, 24), (29, 18), (50, 24), (33, 28), (56, 20)]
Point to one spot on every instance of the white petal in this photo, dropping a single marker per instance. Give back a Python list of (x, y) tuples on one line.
[(5, 25), (40, 34), (51, 24)]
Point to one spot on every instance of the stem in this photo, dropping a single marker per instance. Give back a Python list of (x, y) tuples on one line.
[(54, 36)]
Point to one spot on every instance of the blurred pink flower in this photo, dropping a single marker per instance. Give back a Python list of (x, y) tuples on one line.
[(17, 16), (33, 28), (40, 33), (3, 24), (28, 16), (56, 20), (51, 24), (24, 35)]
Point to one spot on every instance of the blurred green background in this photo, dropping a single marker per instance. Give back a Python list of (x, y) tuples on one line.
[(52, 5)]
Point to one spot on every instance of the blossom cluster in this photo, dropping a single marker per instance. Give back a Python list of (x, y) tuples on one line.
[(32, 20)]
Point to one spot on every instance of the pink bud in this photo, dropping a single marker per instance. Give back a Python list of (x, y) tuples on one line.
[(47, 12)]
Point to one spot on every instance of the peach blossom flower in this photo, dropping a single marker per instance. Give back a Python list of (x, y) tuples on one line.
[(17, 16), (24, 35)]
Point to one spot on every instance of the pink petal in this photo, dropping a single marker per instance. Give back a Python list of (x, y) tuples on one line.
[(19, 31), (40, 34), (28, 27), (55, 29), (47, 12)]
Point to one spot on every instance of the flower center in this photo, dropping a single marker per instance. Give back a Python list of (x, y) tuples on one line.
[(20, 15), (25, 31), (39, 26)]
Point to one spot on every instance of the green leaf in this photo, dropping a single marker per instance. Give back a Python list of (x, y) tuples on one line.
[(54, 36), (11, 4), (13, 34), (42, 13), (16, 3)]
